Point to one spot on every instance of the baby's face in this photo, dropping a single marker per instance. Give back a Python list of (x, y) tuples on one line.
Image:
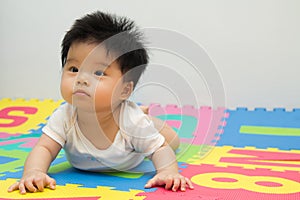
[(91, 80)]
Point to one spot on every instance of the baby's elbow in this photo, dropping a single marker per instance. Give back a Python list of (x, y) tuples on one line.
[(174, 144)]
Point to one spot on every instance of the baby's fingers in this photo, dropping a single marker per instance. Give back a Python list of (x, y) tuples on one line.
[(13, 187), (176, 185), (39, 183), (51, 183), (189, 183), (155, 181), (17, 186), (182, 183), (179, 183), (27, 184), (22, 187), (150, 183)]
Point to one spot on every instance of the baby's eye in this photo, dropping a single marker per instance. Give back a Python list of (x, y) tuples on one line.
[(73, 69), (99, 73)]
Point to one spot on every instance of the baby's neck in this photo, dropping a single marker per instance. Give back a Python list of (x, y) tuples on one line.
[(99, 128)]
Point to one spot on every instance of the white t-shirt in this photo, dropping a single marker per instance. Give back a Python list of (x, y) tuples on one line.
[(136, 139)]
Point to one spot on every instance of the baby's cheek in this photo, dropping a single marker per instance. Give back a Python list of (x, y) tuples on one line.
[(102, 96), (66, 90)]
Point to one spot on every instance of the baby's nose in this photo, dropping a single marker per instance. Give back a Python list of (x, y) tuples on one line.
[(82, 79)]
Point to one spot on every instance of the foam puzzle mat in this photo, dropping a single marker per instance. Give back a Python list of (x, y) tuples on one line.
[(227, 154)]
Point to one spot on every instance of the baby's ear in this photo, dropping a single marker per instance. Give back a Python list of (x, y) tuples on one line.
[(126, 90)]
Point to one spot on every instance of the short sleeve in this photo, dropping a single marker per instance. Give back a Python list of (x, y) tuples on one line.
[(148, 145), (55, 127), (139, 129)]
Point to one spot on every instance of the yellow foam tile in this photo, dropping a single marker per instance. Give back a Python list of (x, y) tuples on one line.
[(20, 116), (70, 191), (216, 155)]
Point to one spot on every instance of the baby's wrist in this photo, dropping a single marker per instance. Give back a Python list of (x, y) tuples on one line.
[(168, 170), (33, 170)]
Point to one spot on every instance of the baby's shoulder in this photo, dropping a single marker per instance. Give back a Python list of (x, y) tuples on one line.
[(64, 109), (131, 114), (130, 108), (134, 122), (64, 113)]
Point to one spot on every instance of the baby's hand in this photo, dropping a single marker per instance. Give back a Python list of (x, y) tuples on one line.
[(172, 181), (33, 182), (145, 109)]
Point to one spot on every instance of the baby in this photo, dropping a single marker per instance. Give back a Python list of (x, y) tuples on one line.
[(103, 58)]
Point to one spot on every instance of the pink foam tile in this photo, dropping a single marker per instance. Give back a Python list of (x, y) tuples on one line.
[(209, 124), (26, 142), (210, 121), (4, 135), (238, 190), (65, 198), (162, 194), (172, 109)]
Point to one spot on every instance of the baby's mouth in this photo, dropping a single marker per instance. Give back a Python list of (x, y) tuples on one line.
[(81, 93)]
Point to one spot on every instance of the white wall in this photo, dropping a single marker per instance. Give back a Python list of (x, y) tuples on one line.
[(254, 44)]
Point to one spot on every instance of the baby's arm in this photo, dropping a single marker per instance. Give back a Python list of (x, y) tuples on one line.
[(35, 176), (167, 174), (164, 129)]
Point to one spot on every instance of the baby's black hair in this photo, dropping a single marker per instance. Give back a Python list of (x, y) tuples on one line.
[(118, 34)]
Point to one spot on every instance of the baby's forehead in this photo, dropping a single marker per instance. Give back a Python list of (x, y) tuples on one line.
[(91, 52)]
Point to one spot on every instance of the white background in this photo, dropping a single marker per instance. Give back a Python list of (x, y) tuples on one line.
[(254, 44)]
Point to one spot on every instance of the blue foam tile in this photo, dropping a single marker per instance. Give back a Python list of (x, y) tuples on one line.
[(260, 109), (279, 118), (111, 179), (5, 159), (242, 109), (279, 109)]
